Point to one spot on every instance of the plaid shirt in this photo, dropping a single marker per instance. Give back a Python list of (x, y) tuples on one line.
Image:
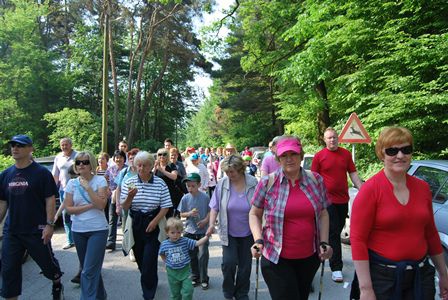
[(273, 202)]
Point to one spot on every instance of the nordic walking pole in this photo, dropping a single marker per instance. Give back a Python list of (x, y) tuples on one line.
[(257, 264), (322, 275)]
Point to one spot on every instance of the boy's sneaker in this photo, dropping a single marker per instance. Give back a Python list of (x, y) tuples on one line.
[(195, 282), (58, 291), (204, 286)]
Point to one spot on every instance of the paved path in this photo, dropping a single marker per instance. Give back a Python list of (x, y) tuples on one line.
[(122, 278)]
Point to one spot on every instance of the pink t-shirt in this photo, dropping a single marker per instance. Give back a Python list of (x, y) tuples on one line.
[(298, 225), (269, 164)]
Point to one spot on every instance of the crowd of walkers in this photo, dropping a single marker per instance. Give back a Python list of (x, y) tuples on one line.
[(171, 202)]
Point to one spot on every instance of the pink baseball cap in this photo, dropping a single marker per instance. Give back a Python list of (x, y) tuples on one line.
[(288, 144)]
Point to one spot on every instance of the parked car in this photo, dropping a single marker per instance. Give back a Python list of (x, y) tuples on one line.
[(257, 158), (307, 161), (435, 173), (47, 162)]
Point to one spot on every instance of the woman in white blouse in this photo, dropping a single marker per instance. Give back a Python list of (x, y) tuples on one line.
[(85, 200)]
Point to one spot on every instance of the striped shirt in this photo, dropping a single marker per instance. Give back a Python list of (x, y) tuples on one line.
[(273, 202), (150, 195), (176, 253)]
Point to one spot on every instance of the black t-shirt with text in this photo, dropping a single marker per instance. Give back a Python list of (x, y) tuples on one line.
[(25, 191)]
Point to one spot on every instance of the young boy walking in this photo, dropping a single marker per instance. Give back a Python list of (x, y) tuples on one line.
[(194, 207), (175, 253)]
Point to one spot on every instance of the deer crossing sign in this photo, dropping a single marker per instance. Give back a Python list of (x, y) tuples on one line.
[(354, 132)]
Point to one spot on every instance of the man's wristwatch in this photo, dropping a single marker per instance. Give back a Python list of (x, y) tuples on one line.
[(50, 223), (259, 242)]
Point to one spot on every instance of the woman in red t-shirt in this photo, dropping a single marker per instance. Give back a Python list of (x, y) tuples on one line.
[(392, 228)]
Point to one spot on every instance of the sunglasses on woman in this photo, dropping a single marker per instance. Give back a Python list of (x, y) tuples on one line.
[(406, 150), (162, 154), (84, 162)]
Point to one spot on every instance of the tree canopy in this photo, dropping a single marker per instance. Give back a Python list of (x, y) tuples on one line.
[(308, 65)]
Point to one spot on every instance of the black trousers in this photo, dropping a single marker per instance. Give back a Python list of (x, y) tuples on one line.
[(338, 214), (290, 278)]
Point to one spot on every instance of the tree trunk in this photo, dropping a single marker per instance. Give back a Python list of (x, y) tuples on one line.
[(115, 83), (323, 116), (139, 111)]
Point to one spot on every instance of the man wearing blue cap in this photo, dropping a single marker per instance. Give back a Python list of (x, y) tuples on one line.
[(27, 191)]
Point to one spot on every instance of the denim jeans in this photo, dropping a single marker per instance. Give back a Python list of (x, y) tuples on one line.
[(90, 247), (66, 220), (237, 259), (113, 219), (199, 259)]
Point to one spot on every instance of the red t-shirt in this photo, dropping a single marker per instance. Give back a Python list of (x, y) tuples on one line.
[(395, 231), (298, 225), (333, 167)]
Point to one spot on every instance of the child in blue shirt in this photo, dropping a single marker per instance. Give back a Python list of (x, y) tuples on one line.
[(194, 207), (174, 252)]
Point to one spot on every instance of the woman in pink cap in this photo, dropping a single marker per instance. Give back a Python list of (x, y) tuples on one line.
[(294, 238)]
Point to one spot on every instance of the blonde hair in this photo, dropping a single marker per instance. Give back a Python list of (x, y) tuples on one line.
[(174, 223), (235, 162), (92, 160)]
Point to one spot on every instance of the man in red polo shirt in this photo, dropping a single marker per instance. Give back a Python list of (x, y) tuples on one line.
[(333, 163)]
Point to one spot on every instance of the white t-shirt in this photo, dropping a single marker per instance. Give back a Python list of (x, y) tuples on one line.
[(60, 167), (93, 219)]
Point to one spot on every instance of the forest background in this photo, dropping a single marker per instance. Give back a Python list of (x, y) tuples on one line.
[(292, 67)]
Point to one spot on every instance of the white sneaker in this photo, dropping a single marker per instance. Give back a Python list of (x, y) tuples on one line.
[(337, 276), (131, 256)]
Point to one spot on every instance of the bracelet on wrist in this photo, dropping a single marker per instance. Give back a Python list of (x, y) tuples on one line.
[(50, 223)]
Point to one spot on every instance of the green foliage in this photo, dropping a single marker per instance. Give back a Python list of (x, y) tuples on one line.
[(13, 119), (81, 126), (5, 162)]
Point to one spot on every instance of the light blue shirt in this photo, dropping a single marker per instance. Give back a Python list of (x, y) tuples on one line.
[(200, 202), (176, 253)]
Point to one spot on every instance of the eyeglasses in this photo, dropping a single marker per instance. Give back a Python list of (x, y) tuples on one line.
[(162, 154), (84, 162), (406, 150), (18, 145)]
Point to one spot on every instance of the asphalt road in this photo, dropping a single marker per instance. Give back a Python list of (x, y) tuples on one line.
[(122, 278)]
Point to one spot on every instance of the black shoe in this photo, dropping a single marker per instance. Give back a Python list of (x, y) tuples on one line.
[(77, 278), (195, 282), (58, 291), (110, 247)]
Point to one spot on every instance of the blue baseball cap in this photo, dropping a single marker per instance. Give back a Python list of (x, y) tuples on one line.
[(194, 156), (21, 139)]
